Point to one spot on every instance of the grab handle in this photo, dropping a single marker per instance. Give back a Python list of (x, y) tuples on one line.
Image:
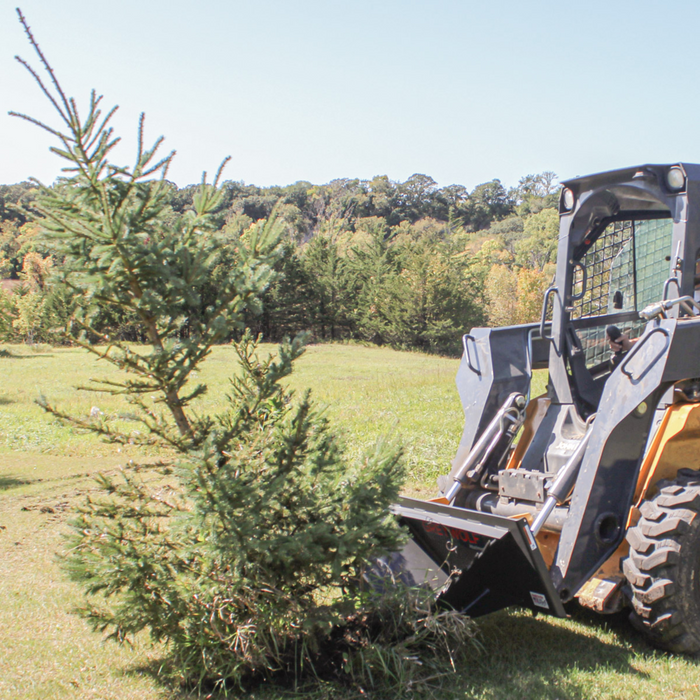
[(667, 287), (465, 344), (635, 350), (584, 281), (543, 320)]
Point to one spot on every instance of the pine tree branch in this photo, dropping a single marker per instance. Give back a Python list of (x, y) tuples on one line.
[(44, 62)]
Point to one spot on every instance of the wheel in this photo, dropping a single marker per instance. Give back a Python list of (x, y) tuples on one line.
[(663, 568)]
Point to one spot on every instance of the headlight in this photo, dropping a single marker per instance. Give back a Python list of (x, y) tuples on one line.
[(675, 179), (567, 199)]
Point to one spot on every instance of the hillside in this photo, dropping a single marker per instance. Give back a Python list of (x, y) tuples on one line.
[(405, 264)]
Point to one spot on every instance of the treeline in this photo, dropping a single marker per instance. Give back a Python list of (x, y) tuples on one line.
[(407, 264)]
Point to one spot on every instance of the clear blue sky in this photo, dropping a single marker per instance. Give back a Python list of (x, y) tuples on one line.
[(318, 89)]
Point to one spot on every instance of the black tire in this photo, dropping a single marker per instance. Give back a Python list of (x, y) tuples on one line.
[(663, 568)]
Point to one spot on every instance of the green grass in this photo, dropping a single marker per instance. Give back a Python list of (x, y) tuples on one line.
[(45, 469)]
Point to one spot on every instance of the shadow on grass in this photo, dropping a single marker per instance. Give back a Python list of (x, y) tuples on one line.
[(621, 628), (7, 355), (4, 401), (535, 658), (522, 658), (164, 674), (12, 482)]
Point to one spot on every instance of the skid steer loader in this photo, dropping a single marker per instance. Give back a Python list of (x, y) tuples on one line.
[(592, 490)]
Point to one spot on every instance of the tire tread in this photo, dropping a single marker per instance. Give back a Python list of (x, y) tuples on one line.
[(662, 546)]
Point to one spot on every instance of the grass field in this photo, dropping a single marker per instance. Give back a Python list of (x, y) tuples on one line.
[(45, 469)]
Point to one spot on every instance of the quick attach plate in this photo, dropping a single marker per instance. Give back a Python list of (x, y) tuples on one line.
[(523, 485)]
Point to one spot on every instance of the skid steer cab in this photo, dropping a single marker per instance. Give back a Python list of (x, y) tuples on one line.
[(591, 491)]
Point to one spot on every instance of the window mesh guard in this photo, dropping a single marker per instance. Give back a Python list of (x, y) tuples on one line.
[(629, 257)]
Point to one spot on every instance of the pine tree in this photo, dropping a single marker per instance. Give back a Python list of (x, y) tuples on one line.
[(123, 252), (243, 549)]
